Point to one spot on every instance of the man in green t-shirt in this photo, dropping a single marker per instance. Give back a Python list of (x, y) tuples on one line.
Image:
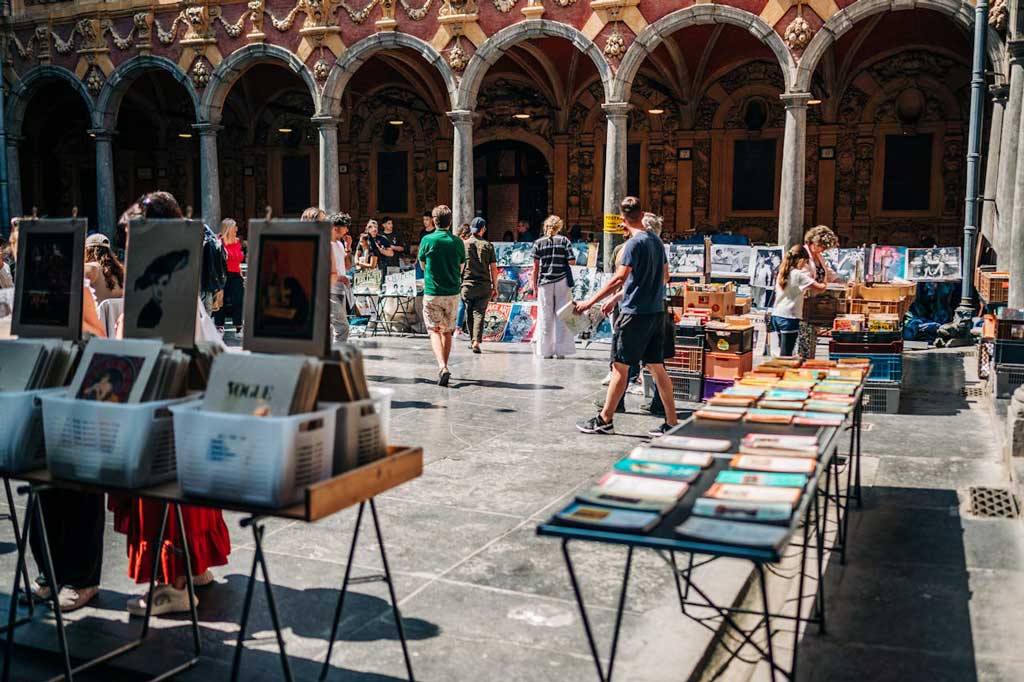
[(442, 255)]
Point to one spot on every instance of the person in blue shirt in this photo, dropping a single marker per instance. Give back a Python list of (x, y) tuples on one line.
[(639, 331)]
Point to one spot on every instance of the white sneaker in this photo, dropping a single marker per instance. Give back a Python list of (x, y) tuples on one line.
[(635, 389), (73, 598), (607, 379), (166, 599)]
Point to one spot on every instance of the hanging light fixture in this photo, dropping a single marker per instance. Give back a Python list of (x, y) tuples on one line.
[(521, 117)]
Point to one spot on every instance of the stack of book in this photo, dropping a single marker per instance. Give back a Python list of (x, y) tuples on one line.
[(33, 364), (263, 385), (130, 371)]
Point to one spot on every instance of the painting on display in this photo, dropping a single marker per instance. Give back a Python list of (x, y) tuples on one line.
[(522, 321), (764, 266), (367, 282), (514, 253), (937, 264), (400, 284), (685, 259), (730, 260), (849, 264), (48, 292), (888, 263), (495, 321)]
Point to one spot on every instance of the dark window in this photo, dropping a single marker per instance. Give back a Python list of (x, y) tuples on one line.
[(633, 169), (295, 184), (908, 173), (392, 182), (753, 175)]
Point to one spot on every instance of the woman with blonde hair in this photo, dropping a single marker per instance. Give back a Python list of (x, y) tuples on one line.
[(817, 241), (552, 281), (234, 287)]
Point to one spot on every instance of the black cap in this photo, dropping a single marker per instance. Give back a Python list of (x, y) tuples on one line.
[(477, 225)]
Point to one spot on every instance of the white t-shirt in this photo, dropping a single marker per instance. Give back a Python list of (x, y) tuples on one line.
[(789, 301), (338, 256)]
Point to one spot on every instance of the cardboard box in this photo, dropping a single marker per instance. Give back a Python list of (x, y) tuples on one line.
[(719, 300), (882, 292), (742, 306)]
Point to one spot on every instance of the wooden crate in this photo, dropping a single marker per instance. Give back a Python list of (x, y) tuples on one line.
[(993, 287)]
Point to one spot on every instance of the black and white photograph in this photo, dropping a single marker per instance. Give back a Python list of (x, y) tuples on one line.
[(849, 264), (731, 260), (685, 258), (163, 269), (764, 266), (937, 264)]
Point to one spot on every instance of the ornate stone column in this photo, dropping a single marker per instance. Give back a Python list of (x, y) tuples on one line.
[(1010, 141), (330, 192), (105, 198), (791, 192), (462, 166), (209, 173), (994, 154), (13, 178), (614, 170)]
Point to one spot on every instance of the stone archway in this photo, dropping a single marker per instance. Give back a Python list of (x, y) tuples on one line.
[(655, 33), (23, 90), (109, 101), (361, 51), (495, 46)]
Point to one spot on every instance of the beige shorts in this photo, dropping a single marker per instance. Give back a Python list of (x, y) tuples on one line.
[(439, 313)]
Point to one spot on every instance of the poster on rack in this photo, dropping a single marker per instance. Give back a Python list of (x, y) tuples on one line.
[(495, 321), (514, 253), (849, 264), (522, 320), (367, 282), (583, 282), (401, 284), (888, 263), (764, 266), (730, 260), (685, 259), (937, 264)]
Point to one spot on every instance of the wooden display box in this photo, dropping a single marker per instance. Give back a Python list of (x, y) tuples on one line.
[(993, 287), (720, 302)]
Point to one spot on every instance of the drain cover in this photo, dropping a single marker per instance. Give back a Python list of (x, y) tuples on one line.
[(973, 391), (997, 503)]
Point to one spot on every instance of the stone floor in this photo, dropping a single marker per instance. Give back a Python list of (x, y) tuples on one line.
[(927, 593)]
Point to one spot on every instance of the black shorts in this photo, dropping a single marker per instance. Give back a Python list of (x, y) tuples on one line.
[(639, 338)]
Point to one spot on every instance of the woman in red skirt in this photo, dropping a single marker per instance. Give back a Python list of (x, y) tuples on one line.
[(208, 541)]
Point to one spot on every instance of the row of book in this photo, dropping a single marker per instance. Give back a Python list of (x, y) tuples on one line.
[(34, 364)]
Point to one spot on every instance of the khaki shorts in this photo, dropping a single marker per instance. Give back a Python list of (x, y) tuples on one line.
[(439, 313)]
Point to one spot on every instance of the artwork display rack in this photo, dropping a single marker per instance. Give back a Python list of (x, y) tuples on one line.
[(356, 487), (822, 498)]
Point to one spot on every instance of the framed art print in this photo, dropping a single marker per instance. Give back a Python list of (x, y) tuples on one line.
[(161, 285), (50, 277), (287, 308)]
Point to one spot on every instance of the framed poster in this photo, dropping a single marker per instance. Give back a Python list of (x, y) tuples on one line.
[(764, 266), (50, 279), (286, 294), (937, 264)]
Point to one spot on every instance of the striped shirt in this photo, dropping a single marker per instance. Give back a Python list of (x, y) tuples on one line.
[(554, 254)]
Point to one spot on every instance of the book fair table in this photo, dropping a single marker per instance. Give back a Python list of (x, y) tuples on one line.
[(356, 487), (804, 530)]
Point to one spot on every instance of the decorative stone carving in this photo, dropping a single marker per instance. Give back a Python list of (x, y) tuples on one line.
[(798, 33), (457, 57), (321, 69), (505, 6), (453, 8), (200, 72), (615, 44), (256, 9), (94, 81), (999, 16), (142, 23)]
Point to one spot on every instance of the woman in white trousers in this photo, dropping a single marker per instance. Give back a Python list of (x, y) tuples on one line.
[(552, 258)]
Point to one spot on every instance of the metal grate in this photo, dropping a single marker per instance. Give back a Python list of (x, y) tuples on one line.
[(973, 391), (998, 503)]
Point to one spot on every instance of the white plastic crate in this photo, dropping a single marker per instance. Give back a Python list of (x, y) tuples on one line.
[(362, 432), (129, 446), (266, 461), (684, 386), (21, 430), (882, 397)]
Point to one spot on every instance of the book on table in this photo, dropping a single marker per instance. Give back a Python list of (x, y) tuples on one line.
[(692, 443), (738, 533), (761, 478), (646, 453), (722, 400), (766, 512), (634, 492), (720, 413), (780, 445), (818, 419), (770, 416), (609, 518), (754, 493), (815, 405), (796, 465), (117, 371), (262, 384), (676, 472)]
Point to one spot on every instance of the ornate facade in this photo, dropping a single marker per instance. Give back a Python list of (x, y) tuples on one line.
[(754, 117)]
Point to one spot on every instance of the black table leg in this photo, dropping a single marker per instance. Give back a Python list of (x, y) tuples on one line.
[(12, 608), (246, 606), (12, 514), (586, 620), (773, 666)]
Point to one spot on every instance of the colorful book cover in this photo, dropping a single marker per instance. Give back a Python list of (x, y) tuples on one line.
[(793, 465), (726, 414), (110, 378), (783, 394), (678, 472), (781, 404), (754, 493), (691, 443), (818, 419), (761, 478), (522, 321), (735, 510), (719, 531), (646, 453), (495, 321), (827, 406), (608, 517)]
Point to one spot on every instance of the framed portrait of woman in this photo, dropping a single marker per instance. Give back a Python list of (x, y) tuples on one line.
[(50, 279), (287, 290)]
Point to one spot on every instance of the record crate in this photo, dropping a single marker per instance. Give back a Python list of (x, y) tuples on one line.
[(687, 360), (713, 387), (736, 341), (21, 429), (265, 461), (123, 445), (690, 335), (1005, 379), (881, 397), (727, 365), (1008, 352), (993, 287), (883, 367), (684, 387)]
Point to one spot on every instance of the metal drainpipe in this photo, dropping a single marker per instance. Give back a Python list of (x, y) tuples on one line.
[(5, 203), (965, 311)]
